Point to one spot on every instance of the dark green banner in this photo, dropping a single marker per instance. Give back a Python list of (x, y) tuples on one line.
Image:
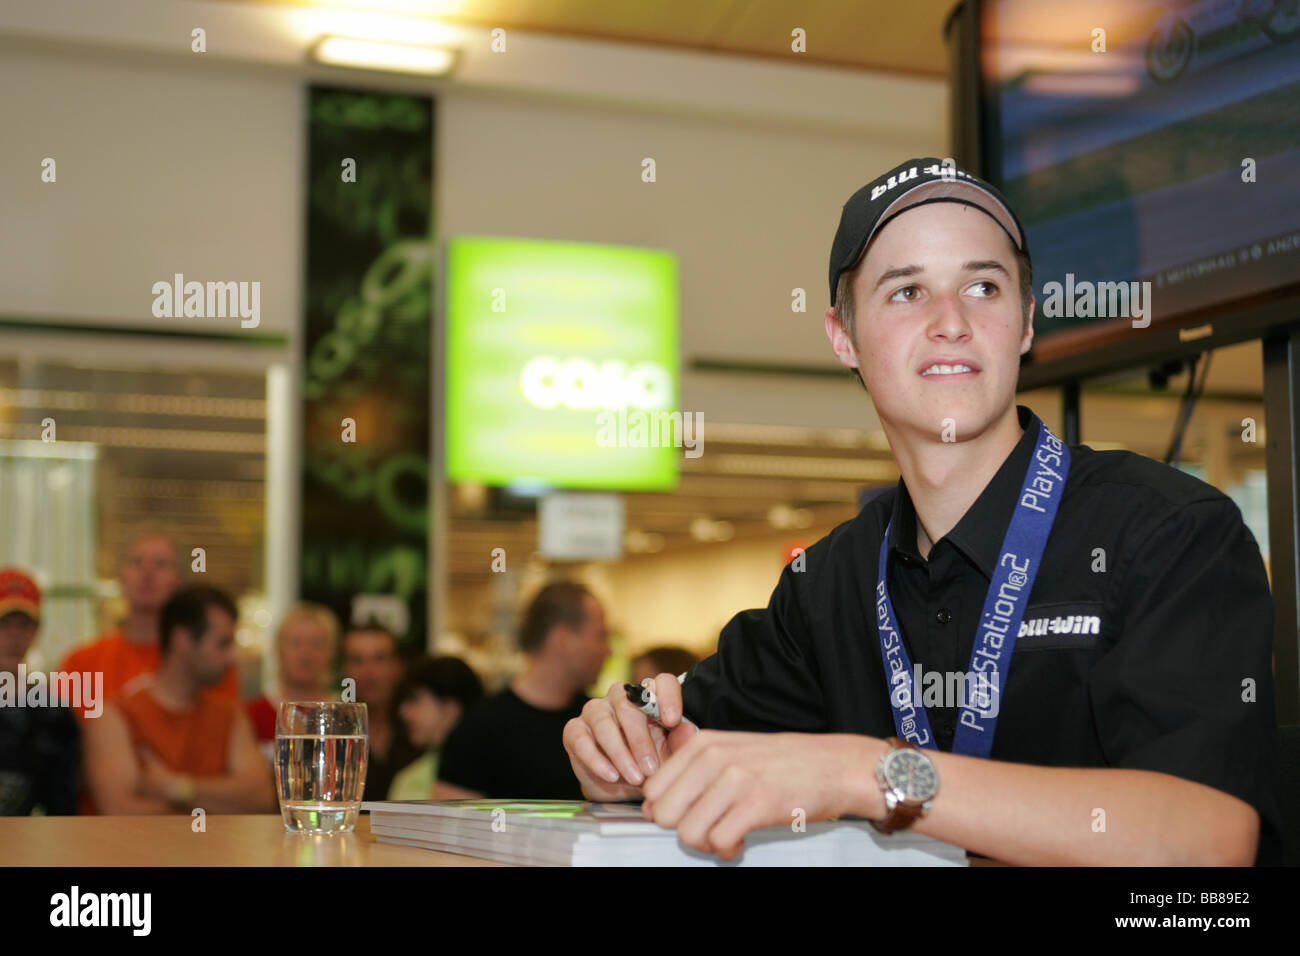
[(367, 334)]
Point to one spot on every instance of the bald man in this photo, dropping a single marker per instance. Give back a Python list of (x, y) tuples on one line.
[(149, 574)]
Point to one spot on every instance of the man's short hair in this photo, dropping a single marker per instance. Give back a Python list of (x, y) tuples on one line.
[(140, 532), (563, 602), (373, 628), (188, 609), (316, 613), (668, 659), (844, 296)]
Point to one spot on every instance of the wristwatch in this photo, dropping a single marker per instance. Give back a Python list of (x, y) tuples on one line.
[(909, 781)]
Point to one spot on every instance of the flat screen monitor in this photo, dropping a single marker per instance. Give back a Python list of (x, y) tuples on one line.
[(1152, 151)]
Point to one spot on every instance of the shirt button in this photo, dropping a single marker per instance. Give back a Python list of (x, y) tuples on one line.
[(943, 615)]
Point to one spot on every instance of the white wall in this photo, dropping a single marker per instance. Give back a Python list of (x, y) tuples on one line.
[(683, 597), (171, 161), (687, 599), (749, 211), (174, 161), (160, 170)]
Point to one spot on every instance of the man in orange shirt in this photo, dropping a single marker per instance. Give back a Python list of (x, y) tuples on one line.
[(165, 747), (149, 574)]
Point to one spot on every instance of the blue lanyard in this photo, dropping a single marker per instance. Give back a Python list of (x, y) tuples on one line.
[(1004, 609)]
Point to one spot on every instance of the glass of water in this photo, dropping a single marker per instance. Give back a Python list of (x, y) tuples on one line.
[(320, 766)]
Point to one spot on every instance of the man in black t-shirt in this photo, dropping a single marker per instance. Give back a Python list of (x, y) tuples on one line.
[(40, 747), (511, 745)]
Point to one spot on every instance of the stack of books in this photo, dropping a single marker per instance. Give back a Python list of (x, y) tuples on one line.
[(573, 833)]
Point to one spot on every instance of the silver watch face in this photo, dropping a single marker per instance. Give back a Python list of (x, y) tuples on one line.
[(911, 773)]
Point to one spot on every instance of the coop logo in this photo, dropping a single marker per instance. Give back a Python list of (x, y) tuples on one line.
[(581, 384), (75, 908)]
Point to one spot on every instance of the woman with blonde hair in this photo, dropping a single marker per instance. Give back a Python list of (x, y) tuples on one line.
[(305, 646)]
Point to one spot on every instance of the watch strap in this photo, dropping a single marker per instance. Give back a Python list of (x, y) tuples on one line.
[(901, 815)]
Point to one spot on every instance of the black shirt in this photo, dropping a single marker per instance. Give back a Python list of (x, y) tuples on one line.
[(1148, 623), (508, 748), (40, 760)]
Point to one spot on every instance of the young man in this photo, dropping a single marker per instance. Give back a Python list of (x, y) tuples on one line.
[(372, 658), (510, 745), (40, 747), (167, 747), (1114, 612)]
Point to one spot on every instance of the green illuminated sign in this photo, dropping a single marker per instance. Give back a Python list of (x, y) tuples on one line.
[(550, 345)]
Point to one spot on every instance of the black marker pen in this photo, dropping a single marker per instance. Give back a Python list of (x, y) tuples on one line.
[(645, 700)]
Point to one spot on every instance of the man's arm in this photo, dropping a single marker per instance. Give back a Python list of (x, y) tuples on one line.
[(112, 773), (1051, 816), (764, 675), (762, 678), (247, 787), (722, 784)]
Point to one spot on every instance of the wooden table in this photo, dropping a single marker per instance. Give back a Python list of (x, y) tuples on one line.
[(235, 840)]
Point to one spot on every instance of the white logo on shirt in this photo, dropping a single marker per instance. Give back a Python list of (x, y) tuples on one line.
[(1073, 624)]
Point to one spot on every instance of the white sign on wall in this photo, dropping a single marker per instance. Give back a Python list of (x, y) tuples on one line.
[(580, 526)]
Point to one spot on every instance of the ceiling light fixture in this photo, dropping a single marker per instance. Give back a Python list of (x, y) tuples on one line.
[(386, 57)]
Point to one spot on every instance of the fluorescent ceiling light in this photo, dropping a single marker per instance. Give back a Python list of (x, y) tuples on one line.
[(389, 57), (1082, 84)]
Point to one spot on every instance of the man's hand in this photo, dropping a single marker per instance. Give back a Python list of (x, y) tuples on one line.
[(613, 747), (723, 784)]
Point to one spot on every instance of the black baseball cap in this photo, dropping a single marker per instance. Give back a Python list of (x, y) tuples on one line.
[(913, 183)]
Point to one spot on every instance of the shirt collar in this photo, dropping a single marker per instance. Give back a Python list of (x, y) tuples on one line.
[(981, 529)]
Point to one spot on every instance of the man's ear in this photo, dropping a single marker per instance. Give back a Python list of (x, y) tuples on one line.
[(556, 636), (841, 343), (1027, 340)]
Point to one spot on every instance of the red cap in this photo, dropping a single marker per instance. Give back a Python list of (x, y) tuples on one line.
[(18, 592)]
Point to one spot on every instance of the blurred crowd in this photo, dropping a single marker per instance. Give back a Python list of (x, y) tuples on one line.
[(155, 723)]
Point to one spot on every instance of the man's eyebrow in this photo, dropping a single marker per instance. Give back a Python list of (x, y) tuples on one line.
[(981, 265), (898, 272)]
